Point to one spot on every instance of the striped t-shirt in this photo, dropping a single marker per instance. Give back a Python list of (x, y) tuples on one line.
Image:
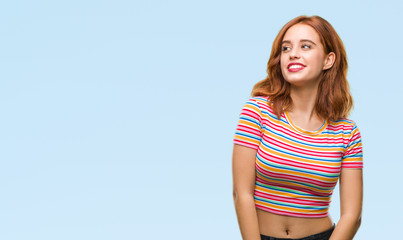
[(296, 170)]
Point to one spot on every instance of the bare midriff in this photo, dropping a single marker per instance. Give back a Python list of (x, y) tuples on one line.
[(280, 226)]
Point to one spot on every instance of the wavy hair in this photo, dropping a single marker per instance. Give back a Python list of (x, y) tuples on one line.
[(334, 100)]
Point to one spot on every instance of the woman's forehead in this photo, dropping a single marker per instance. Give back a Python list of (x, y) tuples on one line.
[(300, 32)]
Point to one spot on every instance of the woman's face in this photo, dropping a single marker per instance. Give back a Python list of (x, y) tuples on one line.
[(303, 57)]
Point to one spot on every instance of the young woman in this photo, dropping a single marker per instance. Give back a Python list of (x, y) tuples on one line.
[(293, 141)]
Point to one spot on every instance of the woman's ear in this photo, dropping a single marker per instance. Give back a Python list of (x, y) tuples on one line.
[(329, 60)]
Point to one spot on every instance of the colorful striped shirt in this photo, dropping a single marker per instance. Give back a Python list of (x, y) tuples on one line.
[(296, 169)]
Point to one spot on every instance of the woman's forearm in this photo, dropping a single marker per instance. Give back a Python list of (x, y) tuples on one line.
[(346, 228), (247, 217)]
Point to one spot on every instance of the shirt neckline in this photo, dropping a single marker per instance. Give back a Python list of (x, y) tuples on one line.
[(303, 131)]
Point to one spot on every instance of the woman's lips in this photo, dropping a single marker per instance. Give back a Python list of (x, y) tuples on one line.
[(295, 67)]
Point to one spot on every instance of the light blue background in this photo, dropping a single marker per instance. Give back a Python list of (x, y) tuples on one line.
[(117, 117)]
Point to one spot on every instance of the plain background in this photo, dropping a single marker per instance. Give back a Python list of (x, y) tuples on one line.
[(117, 117)]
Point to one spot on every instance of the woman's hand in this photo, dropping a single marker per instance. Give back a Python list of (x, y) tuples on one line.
[(351, 196), (243, 173)]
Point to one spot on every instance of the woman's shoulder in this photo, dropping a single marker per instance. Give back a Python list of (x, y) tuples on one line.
[(344, 124), (261, 104), (260, 100), (343, 121)]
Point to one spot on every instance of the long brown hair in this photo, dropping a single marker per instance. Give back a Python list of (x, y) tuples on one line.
[(334, 100)]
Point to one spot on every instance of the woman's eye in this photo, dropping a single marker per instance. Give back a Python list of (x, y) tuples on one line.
[(285, 48), (305, 46)]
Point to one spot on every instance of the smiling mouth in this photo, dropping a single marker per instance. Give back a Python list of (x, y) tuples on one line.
[(295, 67)]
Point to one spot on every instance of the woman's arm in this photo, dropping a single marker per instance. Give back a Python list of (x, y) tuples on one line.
[(351, 195), (243, 175)]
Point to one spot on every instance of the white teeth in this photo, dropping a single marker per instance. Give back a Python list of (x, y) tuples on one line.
[(295, 66)]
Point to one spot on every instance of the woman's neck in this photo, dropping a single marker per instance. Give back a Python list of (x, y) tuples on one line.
[(302, 110), (303, 99)]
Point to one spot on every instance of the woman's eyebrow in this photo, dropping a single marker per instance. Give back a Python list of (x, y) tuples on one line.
[(302, 40), (307, 40)]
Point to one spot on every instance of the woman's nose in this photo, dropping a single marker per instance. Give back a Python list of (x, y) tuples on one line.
[(294, 53)]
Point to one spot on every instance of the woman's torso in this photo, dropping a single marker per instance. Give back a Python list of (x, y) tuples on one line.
[(283, 226), (280, 226), (296, 169)]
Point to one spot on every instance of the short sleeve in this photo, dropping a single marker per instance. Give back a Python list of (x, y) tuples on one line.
[(249, 129), (353, 157)]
